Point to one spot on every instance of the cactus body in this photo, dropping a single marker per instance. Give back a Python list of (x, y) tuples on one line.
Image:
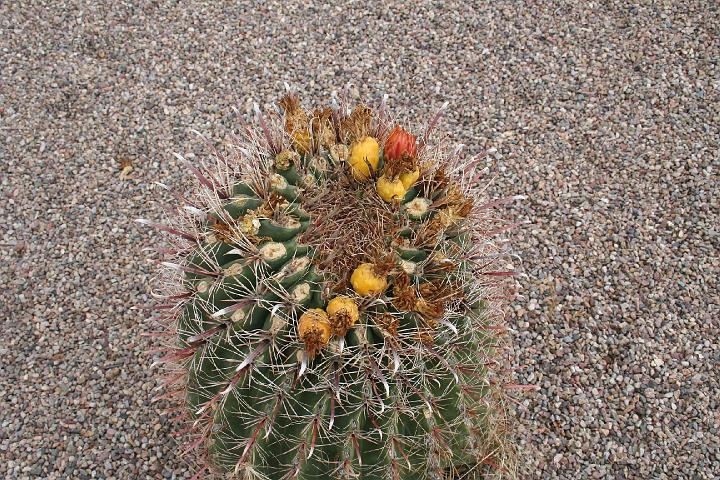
[(327, 328)]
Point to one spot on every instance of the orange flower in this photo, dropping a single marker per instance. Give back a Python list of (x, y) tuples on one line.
[(399, 142)]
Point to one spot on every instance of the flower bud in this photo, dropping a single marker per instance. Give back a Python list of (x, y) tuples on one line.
[(398, 143)]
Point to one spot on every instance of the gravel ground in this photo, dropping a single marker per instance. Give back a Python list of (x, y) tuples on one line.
[(605, 116)]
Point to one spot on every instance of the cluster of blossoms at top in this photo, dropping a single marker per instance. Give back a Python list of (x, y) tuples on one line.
[(393, 168)]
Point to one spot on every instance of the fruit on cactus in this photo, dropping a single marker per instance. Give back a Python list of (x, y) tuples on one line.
[(326, 326), (364, 158), (401, 168), (409, 178), (314, 330), (390, 189), (400, 142), (343, 313), (366, 280)]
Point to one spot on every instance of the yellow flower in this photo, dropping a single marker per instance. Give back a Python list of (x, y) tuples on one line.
[(363, 152), (366, 282), (390, 190)]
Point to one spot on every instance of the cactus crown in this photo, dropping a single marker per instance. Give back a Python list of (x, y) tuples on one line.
[(333, 304)]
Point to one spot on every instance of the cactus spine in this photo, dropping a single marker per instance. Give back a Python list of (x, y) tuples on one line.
[(332, 304)]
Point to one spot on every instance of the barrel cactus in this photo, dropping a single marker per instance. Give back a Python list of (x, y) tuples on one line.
[(332, 302)]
